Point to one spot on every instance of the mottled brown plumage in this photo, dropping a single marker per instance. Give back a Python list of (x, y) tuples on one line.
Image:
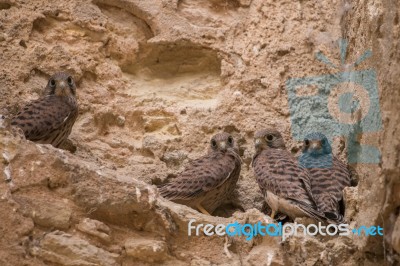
[(209, 180), (285, 185), (49, 119), (329, 176)]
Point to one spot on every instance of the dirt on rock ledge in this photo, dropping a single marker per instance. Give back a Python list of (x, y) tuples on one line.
[(156, 79)]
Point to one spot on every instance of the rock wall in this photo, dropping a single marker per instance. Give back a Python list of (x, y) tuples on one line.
[(156, 79), (376, 25)]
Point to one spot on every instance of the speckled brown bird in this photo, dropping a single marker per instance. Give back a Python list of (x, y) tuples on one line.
[(49, 119), (329, 176), (285, 185), (209, 180)]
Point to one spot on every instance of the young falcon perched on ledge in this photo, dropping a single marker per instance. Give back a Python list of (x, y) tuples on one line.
[(329, 176), (209, 180), (285, 185), (49, 119)]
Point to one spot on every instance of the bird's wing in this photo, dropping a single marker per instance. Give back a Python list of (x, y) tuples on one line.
[(328, 181), (201, 176), (332, 179), (38, 118), (330, 206), (279, 173)]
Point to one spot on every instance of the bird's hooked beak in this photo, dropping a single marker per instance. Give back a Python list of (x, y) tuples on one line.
[(61, 89), (316, 145), (222, 146), (62, 84), (258, 143)]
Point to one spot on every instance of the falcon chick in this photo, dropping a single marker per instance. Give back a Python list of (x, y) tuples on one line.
[(207, 181), (49, 119), (284, 184), (329, 176)]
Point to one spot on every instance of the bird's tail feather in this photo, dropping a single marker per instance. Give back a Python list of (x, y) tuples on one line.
[(334, 218), (328, 217)]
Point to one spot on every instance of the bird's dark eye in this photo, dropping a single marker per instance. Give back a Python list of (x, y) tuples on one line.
[(70, 81), (269, 137), (52, 83), (230, 140), (213, 143), (306, 142), (322, 142)]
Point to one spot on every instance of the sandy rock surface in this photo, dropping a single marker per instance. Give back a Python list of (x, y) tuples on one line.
[(156, 79)]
